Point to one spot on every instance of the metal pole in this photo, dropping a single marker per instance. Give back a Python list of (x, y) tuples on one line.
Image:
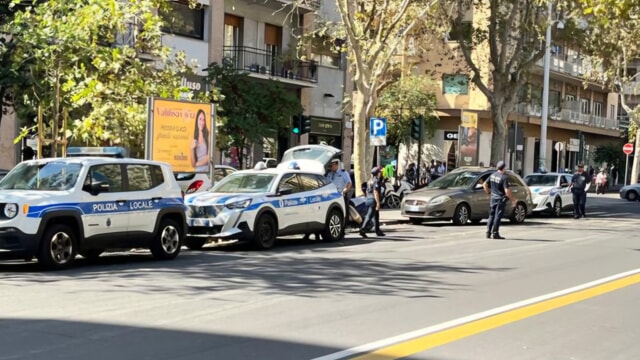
[(545, 92), (558, 161), (626, 169), (378, 156)]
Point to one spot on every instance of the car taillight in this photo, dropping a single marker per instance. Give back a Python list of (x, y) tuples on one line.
[(194, 186)]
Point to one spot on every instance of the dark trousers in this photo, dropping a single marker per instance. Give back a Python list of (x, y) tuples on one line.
[(579, 202), (372, 215), (495, 215)]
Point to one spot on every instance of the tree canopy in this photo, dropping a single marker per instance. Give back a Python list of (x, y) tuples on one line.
[(248, 112), (98, 61)]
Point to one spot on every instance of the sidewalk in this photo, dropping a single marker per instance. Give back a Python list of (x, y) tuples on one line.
[(392, 217)]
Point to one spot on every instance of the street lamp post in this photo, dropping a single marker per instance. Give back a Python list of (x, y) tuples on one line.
[(545, 92)]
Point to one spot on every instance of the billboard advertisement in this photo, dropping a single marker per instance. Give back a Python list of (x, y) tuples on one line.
[(468, 138), (181, 133)]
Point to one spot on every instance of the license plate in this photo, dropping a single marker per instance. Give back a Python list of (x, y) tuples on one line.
[(200, 222)]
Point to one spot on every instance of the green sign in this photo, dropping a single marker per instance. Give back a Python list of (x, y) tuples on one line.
[(326, 127)]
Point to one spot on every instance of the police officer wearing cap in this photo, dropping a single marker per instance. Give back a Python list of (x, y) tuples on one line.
[(340, 179), (498, 186), (373, 201), (579, 185)]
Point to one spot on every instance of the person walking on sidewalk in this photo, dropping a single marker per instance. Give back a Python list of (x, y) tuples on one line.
[(579, 182), (498, 186), (373, 203), (602, 180)]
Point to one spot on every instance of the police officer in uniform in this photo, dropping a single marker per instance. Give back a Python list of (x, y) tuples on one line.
[(342, 181), (498, 186), (373, 203), (579, 185)]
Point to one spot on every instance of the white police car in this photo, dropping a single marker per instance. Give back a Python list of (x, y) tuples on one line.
[(56, 208), (550, 192), (259, 205)]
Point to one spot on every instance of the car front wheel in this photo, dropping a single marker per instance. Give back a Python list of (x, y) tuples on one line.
[(58, 248), (265, 232), (461, 214), (557, 208), (632, 196)]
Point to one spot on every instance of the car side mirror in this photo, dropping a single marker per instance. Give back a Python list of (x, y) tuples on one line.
[(478, 187), (564, 185), (96, 188), (285, 191)]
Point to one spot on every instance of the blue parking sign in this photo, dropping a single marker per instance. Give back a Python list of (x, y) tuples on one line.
[(378, 131)]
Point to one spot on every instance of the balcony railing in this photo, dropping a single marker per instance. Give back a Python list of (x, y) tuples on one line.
[(623, 120), (571, 115), (574, 66), (264, 62)]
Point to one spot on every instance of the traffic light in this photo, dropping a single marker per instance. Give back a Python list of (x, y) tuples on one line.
[(416, 128), (296, 125), (305, 124)]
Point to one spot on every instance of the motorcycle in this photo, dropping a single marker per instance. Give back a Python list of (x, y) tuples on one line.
[(357, 213), (394, 193)]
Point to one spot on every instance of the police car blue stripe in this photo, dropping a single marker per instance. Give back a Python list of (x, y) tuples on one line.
[(300, 201), (104, 207)]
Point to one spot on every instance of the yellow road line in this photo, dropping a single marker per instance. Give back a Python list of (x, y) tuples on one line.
[(426, 342)]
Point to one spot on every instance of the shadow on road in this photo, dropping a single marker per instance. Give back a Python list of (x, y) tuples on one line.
[(45, 339), (310, 273)]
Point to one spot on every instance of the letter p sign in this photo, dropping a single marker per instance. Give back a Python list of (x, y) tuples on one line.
[(378, 131)]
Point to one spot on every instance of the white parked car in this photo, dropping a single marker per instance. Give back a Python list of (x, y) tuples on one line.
[(198, 182), (56, 208), (260, 205), (550, 192)]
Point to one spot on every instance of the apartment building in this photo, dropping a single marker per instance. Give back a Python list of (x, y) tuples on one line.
[(580, 117), (259, 37)]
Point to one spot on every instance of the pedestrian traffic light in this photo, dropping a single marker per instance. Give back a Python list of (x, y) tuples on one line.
[(416, 128), (296, 125), (305, 124)]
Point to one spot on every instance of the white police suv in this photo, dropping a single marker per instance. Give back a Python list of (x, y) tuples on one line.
[(56, 208), (259, 205)]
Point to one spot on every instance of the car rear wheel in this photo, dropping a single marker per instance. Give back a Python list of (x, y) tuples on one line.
[(461, 214), (58, 248), (632, 196), (168, 241), (334, 230), (557, 208), (519, 214), (265, 232)]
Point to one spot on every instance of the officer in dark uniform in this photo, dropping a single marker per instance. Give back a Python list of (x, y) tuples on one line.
[(579, 182), (498, 186)]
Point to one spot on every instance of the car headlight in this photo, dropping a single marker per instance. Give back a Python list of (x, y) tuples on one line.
[(238, 204), (439, 200), (10, 210)]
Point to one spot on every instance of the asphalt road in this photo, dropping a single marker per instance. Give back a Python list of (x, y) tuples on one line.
[(434, 291)]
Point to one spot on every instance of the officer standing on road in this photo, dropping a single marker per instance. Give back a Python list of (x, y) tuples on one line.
[(373, 203), (498, 186), (579, 183), (341, 179)]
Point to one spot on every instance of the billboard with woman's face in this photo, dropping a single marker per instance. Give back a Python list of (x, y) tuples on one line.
[(181, 133), (468, 138)]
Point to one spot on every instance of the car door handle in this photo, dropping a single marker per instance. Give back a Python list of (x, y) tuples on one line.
[(121, 202)]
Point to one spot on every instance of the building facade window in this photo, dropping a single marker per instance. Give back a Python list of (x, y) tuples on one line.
[(324, 53), (232, 30), (612, 112), (585, 106), (455, 84), (597, 108), (180, 19)]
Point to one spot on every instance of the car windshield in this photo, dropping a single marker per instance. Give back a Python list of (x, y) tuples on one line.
[(42, 176), (244, 183), (541, 180), (458, 179), (321, 155)]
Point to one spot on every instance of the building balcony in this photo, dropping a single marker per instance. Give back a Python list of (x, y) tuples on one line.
[(623, 120), (573, 66), (262, 63), (631, 88), (570, 114)]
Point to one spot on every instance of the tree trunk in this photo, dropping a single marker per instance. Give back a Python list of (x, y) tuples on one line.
[(499, 137), (362, 152), (636, 154)]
